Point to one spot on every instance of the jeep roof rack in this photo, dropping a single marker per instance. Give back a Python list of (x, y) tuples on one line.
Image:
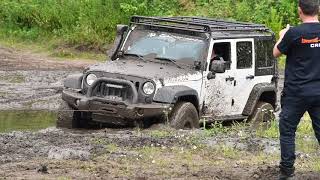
[(170, 23), (223, 25), (199, 24)]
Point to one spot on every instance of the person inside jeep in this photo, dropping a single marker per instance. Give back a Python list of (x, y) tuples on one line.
[(222, 51), (215, 55)]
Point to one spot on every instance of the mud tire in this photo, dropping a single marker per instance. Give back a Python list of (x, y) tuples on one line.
[(262, 116), (69, 118), (184, 116), (65, 116)]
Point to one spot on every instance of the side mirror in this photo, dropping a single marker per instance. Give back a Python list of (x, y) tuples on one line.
[(218, 66), (113, 52)]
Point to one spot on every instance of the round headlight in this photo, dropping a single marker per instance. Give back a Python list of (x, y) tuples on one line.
[(148, 88), (91, 78)]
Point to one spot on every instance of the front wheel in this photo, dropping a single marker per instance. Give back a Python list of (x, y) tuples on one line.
[(262, 115), (65, 116), (184, 116), (70, 118)]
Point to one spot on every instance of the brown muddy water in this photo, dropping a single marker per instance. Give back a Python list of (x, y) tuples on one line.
[(26, 120)]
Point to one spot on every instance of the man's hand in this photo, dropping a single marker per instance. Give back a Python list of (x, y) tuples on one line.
[(284, 31), (276, 52)]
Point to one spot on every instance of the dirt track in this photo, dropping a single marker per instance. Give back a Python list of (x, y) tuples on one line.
[(134, 154), (31, 81)]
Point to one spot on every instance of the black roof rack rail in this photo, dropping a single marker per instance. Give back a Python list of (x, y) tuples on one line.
[(221, 25), (171, 23), (198, 24)]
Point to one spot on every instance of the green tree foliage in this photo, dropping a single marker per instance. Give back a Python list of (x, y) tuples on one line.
[(91, 23)]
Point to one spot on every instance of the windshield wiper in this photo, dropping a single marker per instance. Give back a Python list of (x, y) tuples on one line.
[(170, 60), (136, 55)]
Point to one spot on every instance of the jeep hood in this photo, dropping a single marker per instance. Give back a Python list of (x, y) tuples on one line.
[(166, 71)]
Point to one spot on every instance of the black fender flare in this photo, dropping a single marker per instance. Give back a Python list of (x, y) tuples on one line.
[(255, 95), (73, 81), (171, 94)]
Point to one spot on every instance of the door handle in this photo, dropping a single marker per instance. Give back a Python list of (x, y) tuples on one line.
[(250, 77), (230, 79)]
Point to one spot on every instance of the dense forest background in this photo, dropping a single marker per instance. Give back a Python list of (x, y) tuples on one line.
[(91, 23)]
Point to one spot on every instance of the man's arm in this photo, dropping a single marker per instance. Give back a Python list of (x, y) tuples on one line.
[(276, 52)]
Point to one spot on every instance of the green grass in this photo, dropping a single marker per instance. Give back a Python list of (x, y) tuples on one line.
[(229, 152), (316, 164), (271, 132), (51, 46), (219, 128), (64, 178), (91, 24), (304, 129), (215, 128), (111, 148), (305, 138), (307, 145), (161, 133), (70, 53), (99, 141), (282, 62)]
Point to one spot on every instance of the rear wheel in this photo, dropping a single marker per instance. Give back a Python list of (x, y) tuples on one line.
[(184, 116), (69, 118), (262, 115)]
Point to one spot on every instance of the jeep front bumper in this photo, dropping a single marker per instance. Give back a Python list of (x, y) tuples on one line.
[(106, 110)]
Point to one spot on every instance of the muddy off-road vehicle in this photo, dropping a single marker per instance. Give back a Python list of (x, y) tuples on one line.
[(180, 70)]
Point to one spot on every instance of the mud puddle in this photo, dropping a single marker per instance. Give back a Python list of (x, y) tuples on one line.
[(26, 120)]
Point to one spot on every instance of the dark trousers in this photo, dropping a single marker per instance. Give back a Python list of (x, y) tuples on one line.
[(293, 108)]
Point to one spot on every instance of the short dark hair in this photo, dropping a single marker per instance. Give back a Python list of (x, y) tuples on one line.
[(309, 7)]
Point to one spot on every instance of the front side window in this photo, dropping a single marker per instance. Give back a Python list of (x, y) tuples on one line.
[(165, 45), (244, 55), (222, 50)]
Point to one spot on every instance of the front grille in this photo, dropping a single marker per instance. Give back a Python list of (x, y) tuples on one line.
[(114, 92)]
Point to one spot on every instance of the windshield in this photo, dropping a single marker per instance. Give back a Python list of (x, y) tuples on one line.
[(165, 45)]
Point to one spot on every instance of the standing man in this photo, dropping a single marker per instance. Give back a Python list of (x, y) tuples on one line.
[(301, 91)]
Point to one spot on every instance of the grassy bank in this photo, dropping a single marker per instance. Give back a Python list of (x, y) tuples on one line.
[(90, 25)]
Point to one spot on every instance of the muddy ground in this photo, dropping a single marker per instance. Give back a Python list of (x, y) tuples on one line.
[(134, 154), (33, 81)]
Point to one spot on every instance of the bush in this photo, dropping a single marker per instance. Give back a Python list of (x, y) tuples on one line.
[(91, 23)]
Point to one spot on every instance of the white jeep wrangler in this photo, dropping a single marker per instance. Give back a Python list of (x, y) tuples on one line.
[(182, 68)]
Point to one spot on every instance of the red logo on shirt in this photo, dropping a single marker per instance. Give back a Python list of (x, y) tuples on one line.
[(310, 41)]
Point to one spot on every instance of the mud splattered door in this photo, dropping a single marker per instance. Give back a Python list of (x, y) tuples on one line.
[(244, 75), (218, 90)]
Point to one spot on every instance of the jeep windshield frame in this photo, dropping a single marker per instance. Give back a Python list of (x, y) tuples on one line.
[(177, 46)]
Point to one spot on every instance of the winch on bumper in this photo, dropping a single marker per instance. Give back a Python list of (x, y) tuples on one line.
[(109, 99)]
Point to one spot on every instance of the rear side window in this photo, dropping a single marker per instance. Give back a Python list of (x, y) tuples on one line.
[(265, 62), (244, 55)]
